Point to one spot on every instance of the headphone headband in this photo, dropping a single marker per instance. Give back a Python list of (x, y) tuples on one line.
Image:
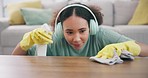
[(72, 5), (58, 26)]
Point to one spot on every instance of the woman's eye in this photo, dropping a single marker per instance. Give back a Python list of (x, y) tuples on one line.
[(82, 31), (69, 32)]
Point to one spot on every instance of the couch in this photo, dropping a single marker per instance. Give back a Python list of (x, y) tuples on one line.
[(117, 15)]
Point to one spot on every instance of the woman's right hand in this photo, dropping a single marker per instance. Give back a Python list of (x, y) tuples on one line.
[(37, 36)]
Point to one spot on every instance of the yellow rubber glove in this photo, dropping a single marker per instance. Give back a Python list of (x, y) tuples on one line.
[(37, 36), (108, 51)]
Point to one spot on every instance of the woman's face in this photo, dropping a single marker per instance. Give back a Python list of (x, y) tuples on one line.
[(76, 31)]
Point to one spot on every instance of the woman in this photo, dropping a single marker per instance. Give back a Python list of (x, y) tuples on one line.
[(77, 33)]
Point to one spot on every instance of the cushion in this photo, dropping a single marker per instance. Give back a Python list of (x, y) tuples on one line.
[(36, 16), (124, 11), (140, 16), (53, 4), (106, 9), (14, 10)]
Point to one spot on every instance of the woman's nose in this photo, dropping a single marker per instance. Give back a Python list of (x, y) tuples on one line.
[(76, 37)]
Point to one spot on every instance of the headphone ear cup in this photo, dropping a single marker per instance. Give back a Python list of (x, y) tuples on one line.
[(93, 27), (59, 31)]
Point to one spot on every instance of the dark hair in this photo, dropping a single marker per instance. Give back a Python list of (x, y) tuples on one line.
[(81, 12)]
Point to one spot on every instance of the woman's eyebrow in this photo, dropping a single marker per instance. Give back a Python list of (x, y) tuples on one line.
[(69, 30), (82, 29), (78, 29)]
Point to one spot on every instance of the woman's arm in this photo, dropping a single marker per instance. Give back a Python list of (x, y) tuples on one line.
[(144, 49), (18, 51)]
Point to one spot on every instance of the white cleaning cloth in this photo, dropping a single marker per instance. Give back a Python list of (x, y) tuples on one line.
[(115, 60)]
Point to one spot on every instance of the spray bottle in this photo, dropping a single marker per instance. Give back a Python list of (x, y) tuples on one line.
[(41, 50)]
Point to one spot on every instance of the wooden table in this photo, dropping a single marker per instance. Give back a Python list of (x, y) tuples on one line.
[(69, 67)]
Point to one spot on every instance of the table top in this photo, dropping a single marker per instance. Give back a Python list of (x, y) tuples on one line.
[(69, 67)]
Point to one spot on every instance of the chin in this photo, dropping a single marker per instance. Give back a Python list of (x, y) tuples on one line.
[(77, 48)]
